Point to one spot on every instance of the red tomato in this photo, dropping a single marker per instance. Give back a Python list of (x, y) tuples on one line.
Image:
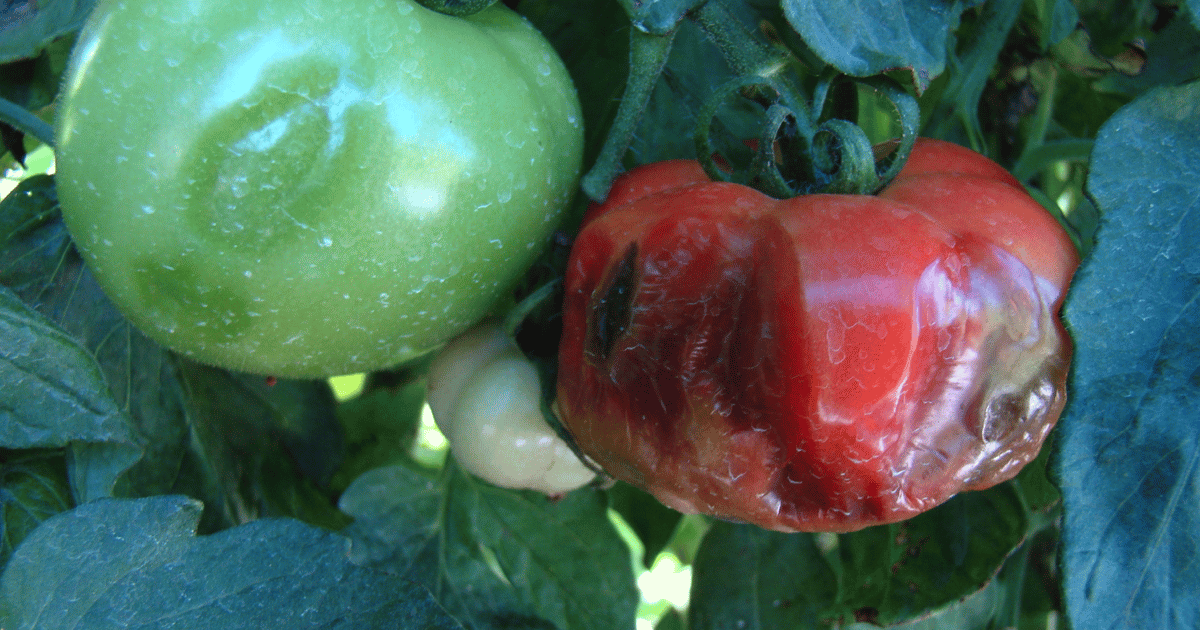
[(821, 363)]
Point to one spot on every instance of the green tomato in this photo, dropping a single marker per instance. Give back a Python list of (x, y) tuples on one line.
[(306, 188)]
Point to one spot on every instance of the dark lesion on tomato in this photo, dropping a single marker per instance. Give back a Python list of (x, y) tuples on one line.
[(611, 309)]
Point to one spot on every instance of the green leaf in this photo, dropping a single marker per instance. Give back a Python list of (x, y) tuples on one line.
[(33, 83), (33, 487), (56, 396), (653, 522), (1129, 453), (259, 447), (749, 578), (137, 564), (956, 115), (886, 574), (495, 558), (593, 40), (867, 38), (1172, 57), (381, 427), (1053, 20), (694, 71), (41, 267), (26, 26), (54, 393), (672, 620), (902, 571)]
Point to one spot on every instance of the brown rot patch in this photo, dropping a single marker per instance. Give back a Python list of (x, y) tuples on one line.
[(612, 306)]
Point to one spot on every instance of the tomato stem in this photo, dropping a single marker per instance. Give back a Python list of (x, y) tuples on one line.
[(516, 316), (24, 121), (745, 54), (647, 55)]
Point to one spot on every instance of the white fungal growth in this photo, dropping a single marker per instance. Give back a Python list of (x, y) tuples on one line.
[(486, 399)]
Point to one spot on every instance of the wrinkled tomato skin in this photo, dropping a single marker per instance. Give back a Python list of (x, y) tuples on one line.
[(823, 363)]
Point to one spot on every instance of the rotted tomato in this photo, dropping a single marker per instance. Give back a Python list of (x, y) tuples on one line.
[(821, 363)]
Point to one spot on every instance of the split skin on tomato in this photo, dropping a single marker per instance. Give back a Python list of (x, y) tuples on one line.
[(822, 363), (311, 188)]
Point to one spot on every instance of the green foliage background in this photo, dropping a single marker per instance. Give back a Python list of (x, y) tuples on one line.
[(139, 489)]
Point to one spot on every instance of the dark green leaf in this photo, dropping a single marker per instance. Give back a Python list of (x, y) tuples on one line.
[(495, 558), (1129, 451), (672, 620), (1038, 492), (32, 83), (260, 448), (1053, 20), (867, 38), (1063, 20), (1173, 57), (39, 264), (956, 116), (1114, 24), (54, 393), (26, 26), (886, 574), (33, 487), (905, 570), (694, 71), (381, 428), (653, 522), (137, 564), (13, 141), (752, 579), (593, 40), (975, 612)]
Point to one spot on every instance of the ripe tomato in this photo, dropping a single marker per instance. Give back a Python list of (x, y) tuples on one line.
[(822, 363), (311, 188)]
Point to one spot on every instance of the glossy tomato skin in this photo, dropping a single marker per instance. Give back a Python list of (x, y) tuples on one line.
[(823, 363), (311, 188)]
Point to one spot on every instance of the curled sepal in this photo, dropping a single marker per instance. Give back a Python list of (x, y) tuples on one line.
[(781, 166), (795, 153), (457, 8), (844, 158)]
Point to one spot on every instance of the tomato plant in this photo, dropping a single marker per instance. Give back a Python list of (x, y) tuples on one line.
[(353, 183)]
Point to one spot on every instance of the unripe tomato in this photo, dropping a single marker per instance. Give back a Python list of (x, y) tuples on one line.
[(311, 188), (822, 363), (486, 398)]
